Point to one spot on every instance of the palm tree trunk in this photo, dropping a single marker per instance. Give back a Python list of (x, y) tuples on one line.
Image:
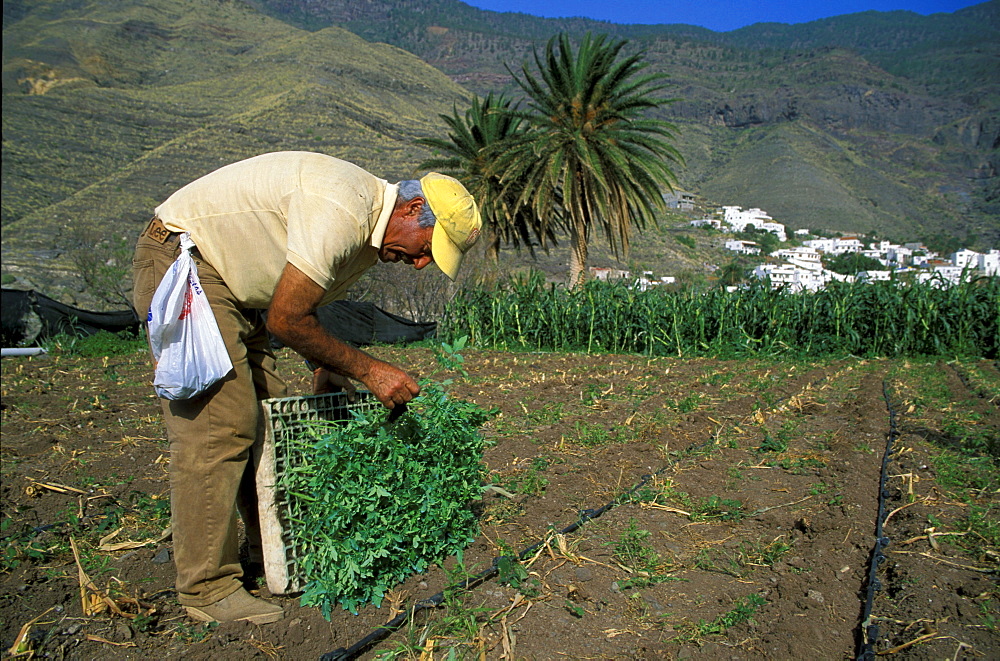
[(492, 247), (578, 254)]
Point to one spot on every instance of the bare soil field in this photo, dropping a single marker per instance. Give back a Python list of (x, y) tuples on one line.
[(744, 521)]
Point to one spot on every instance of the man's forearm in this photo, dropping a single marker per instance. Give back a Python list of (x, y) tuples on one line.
[(308, 337), (292, 318)]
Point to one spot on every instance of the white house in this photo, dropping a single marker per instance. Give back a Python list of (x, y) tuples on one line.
[(743, 247), (739, 220), (794, 277), (707, 222), (941, 275), (798, 253), (847, 244), (873, 276), (877, 255), (681, 200), (607, 274), (965, 258), (838, 246), (899, 255), (776, 229), (646, 280), (989, 264), (820, 245), (778, 274), (804, 259)]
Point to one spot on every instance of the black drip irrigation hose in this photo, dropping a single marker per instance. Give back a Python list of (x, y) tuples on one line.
[(868, 633), (342, 654)]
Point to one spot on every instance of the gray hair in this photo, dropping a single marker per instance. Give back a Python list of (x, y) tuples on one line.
[(411, 188)]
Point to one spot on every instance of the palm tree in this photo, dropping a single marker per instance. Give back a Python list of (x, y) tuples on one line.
[(593, 156), (732, 273), (473, 142)]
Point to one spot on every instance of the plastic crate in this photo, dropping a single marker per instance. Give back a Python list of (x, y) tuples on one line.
[(285, 418)]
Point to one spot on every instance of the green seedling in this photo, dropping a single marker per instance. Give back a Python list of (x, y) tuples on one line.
[(743, 611), (722, 509), (574, 609), (449, 358), (632, 549), (740, 561), (686, 405), (589, 435), (511, 571), (194, 633), (379, 502)]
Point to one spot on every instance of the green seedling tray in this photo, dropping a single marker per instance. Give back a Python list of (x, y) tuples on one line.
[(286, 419)]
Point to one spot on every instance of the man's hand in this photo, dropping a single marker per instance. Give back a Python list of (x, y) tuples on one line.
[(292, 318), (390, 384)]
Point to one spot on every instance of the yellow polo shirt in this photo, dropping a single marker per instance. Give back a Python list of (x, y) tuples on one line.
[(325, 216)]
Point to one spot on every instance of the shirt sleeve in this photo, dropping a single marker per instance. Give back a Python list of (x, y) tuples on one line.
[(323, 235)]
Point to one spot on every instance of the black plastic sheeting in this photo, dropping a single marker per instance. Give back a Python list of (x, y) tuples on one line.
[(29, 316), (361, 324)]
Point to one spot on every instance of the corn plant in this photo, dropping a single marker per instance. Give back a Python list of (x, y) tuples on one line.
[(888, 319)]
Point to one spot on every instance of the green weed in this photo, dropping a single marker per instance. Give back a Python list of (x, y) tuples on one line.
[(511, 571), (529, 482), (632, 549), (591, 435), (988, 615), (686, 405), (738, 562), (574, 609), (717, 508), (98, 345), (824, 489), (660, 493), (20, 547), (459, 620), (743, 611), (779, 440), (772, 443), (190, 632), (550, 413)]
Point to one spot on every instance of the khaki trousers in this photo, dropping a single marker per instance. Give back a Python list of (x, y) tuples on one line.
[(211, 476)]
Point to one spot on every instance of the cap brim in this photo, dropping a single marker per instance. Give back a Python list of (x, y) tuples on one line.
[(446, 253)]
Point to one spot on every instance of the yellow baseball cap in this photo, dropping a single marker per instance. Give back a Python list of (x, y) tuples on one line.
[(458, 220)]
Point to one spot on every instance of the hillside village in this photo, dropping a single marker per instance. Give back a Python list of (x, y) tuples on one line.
[(801, 266)]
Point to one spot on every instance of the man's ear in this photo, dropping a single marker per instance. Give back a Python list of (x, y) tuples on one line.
[(414, 207)]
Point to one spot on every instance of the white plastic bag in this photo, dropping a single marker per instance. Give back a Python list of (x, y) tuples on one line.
[(187, 346)]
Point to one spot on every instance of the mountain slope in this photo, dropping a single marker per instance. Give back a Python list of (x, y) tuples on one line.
[(111, 106), (915, 98), (870, 122)]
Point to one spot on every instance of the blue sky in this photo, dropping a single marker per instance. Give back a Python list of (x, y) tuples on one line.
[(718, 15)]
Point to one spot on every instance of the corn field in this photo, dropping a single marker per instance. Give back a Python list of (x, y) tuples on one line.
[(877, 319)]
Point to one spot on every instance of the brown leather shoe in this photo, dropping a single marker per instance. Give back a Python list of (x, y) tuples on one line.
[(240, 606)]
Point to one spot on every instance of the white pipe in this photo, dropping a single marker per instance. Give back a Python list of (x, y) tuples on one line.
[(28, 351)]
